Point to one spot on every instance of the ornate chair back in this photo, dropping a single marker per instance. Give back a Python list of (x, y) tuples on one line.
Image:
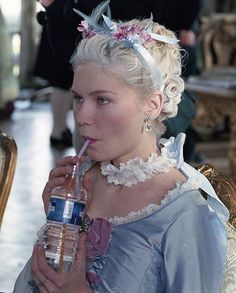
[(8, 156), (226, 191), (217, 39)]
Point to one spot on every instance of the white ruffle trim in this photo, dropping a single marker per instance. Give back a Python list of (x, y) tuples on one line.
[(190, 184), (136, 170)]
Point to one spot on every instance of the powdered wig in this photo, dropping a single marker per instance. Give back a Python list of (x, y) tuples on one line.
[(114, 54)]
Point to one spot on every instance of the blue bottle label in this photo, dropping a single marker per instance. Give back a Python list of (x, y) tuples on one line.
[(65, 211)]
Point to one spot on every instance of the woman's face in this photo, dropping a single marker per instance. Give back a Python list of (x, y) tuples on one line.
[(109, 113)]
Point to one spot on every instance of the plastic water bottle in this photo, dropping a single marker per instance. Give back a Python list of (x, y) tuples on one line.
[(60, 234), (64, 218)]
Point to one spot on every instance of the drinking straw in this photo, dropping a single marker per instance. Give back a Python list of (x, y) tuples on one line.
[(78, 163), (77, 185), (83, 148)]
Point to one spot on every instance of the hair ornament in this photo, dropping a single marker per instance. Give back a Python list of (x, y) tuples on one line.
[(90, 25), (133, 36)]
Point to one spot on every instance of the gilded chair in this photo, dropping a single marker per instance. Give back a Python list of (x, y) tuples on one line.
[(215, 87), (226, 191), (8, 156), (217, 39)]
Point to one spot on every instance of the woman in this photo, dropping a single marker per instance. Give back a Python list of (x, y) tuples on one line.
[(58, 41), (60, 34), (154, 230)]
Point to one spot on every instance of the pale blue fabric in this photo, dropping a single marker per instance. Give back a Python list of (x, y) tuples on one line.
[(175, 148), (180, 248)]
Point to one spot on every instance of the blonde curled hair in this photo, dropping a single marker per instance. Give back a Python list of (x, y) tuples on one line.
[(104, 50)]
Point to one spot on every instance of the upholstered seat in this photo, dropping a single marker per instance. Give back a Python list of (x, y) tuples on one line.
[(226, 191), (8, 155)]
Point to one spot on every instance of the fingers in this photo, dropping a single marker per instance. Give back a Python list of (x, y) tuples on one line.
[(48, 280), (60, 171), (65, 166), (67, 161), (48, 190), (57, 177), (42, 273)]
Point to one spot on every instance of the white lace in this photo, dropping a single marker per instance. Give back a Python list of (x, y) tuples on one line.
[(190, 184), (136, 170)]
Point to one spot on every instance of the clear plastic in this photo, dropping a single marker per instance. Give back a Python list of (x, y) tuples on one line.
[(60, 234), (60, 242)]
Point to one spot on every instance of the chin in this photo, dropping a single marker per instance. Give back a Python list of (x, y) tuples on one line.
[(96, 156)]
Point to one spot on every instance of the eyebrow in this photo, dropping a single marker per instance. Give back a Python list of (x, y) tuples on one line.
[(73, 92), (98, 92)]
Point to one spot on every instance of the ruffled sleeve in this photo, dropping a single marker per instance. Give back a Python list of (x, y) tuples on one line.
[(174, 147)]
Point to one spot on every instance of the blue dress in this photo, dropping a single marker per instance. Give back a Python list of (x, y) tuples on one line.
[(177, 247)]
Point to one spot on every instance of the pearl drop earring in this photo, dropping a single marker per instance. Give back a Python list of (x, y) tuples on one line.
[(148, 124)]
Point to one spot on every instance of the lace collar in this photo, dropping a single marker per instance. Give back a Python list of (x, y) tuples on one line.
[(137, 170)]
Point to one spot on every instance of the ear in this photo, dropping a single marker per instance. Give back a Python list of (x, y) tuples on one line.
[(154, 104)]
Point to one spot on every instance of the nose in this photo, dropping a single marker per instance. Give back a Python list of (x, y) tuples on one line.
[(83, 113)]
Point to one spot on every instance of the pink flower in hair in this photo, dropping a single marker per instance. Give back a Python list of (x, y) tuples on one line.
[(133, 32), (84, 28)]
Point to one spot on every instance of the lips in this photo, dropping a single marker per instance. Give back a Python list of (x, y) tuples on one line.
[(92, 140)]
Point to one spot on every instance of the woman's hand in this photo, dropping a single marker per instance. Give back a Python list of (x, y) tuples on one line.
[(57, 177), (48, 280)]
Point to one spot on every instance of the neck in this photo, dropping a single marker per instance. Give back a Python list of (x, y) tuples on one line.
[(143, 151)]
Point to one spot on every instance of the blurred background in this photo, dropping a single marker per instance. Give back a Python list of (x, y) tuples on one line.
[(26, 115)]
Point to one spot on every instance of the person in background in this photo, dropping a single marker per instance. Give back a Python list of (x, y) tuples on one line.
[(62, 21), (150, 229), (186, 26), (57, 73)]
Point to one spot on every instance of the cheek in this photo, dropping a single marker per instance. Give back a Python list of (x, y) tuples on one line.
[(120, 124), (110, 122)]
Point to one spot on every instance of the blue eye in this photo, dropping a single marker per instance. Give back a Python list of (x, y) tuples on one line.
[(102, 100), (78, 99)]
